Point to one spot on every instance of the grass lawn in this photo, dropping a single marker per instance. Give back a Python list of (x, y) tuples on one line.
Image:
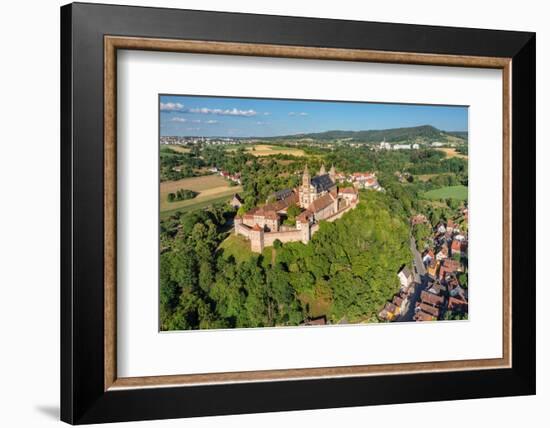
[(237, 246), (450, 192)]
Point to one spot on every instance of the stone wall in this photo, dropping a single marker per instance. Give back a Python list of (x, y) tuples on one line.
[(257, 243), (288, 236), (260, 239), (340, 213), (241, 229)]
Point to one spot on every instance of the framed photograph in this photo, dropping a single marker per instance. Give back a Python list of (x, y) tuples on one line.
[(266, 213)]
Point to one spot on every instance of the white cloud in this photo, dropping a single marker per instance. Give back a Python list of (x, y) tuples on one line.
[(192, 129), (301, 113), (266, 113), (222, 112), (171, 107), (183, 120)]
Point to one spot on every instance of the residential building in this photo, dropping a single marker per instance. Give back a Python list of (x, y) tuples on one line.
[(236, 201), (405, 276)]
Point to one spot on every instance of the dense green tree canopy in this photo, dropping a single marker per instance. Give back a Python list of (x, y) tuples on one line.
[(350, 263)]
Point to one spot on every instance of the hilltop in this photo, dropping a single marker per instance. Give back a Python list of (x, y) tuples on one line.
[(426, 133)]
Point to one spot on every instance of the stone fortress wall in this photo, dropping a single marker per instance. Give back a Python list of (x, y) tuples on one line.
[(318, 196), (259, 239)]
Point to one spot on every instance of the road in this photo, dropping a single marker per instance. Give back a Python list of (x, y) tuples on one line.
[(420, 283)]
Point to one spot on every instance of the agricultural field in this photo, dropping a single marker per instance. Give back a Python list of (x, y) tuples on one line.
[(452, 153), (211, 189), (450, 192), (427, 177), (178, 148), (270, 150)]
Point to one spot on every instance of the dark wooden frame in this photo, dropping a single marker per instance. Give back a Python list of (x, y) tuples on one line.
[(89, 33)]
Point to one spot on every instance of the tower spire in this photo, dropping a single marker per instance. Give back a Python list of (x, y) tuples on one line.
[(306, 177), (332, 173), (322, 171)]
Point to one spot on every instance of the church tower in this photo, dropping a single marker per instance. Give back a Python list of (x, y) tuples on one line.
[(304, 192), (306, 179), (322, 171), (332, 173)]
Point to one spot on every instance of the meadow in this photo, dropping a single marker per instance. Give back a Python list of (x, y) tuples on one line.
[(211, 189), (449, 192)]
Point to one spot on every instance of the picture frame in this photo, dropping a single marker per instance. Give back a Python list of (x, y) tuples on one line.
[(91, 391)]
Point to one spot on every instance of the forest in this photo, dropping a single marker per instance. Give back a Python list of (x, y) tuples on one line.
[(425, 132), (350, 263)]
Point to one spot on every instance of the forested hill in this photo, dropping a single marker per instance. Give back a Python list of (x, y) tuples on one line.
[(425, 132), (347, 270)]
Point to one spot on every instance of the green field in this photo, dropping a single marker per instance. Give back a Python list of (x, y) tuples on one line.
[(211, 189), (236, 246), (450, 192), (195, 205)]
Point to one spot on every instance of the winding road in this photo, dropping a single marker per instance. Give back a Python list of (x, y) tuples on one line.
[(420, 284)]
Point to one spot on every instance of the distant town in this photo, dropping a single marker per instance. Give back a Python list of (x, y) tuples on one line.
[(228, 141)]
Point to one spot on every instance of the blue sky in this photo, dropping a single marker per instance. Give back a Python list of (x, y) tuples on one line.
[(246, 117)]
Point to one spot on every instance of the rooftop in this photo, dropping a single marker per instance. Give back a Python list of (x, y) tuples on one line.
[(322, 183), (322, 202), (430, 298)]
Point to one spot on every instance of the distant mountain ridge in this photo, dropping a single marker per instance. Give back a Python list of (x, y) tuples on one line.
[(426, 132)]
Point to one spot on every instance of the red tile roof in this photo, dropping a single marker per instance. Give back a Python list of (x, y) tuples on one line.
[(304, 216), (351, 190), (390, 307), (423, 316), (456, 246), (321, 203), (429, 309), (456, 303), (451, 265), (430, 298), (397, 301)]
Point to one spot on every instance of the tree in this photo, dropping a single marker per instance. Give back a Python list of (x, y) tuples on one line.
[(422, 234), (292, 212), (463, 279), (455, 316), (346, 270)]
